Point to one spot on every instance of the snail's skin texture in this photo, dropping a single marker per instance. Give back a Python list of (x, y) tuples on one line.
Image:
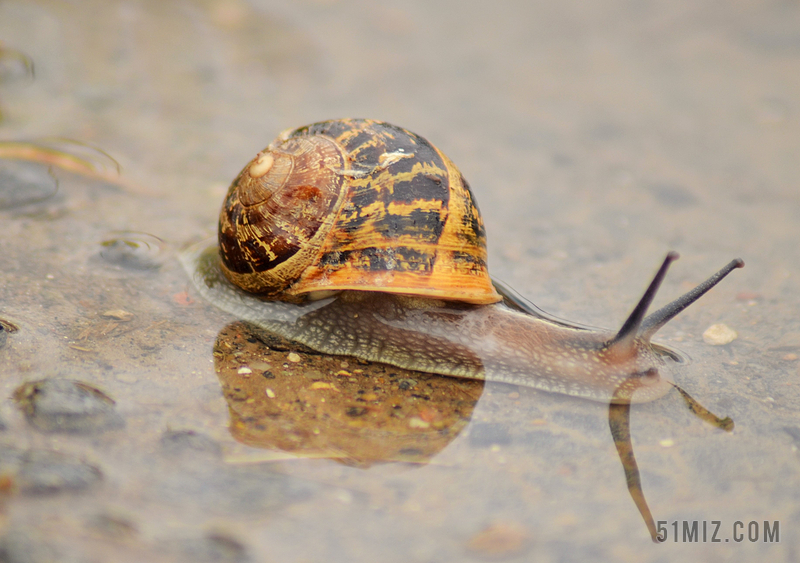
[(354, 204), (490, 342)]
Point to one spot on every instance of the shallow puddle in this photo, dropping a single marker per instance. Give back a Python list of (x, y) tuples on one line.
[(140, 423)]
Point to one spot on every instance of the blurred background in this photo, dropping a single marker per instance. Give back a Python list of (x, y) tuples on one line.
[(596, 137)]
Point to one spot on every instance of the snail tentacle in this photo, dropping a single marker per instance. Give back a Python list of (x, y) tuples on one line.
[(655, 321), (624, 340)]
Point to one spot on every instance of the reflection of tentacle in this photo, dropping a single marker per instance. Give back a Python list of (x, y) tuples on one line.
[(619, 422), (703, 413)]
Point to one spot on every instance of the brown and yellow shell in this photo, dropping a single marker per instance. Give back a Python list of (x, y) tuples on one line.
[(354, 204)]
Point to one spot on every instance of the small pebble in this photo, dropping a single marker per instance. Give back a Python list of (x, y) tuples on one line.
[(322, 385), (790, 357), (65, 405), (244, 370), (666, 443), (134, 251), (117, 315), (406, 384), (417, 422), (270, 393), (292, 357), (719, 335)]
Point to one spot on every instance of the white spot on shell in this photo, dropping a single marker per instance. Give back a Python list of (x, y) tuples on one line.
[(388, 158), (261, 165)]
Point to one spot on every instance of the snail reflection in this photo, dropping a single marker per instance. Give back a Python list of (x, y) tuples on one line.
[(309, 405), (619, 422), (358, 238)]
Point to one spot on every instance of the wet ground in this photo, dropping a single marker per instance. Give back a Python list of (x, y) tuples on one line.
[(140, 423)]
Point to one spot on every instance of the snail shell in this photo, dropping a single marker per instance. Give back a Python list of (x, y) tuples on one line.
[(359, 238), (354, 204)]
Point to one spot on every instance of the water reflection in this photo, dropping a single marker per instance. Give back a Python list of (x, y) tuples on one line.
[(619, 421), (315, 410), (312, 405), (459, 339)]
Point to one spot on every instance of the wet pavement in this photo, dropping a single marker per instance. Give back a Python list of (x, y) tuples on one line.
[(140, 423)]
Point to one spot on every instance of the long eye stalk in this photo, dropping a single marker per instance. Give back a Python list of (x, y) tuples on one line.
[(639, 326), (654, 322), (630, 329)]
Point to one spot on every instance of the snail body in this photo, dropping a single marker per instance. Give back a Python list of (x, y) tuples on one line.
[(359, 238)]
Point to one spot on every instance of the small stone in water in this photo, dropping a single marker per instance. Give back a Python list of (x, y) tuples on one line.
[(135, 251), (65, 405), (719, 334), (270, 393), (417, 422), (117, 315), (292, 357), (244, 370)]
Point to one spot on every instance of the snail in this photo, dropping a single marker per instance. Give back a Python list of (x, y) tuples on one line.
[(359, 238)]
